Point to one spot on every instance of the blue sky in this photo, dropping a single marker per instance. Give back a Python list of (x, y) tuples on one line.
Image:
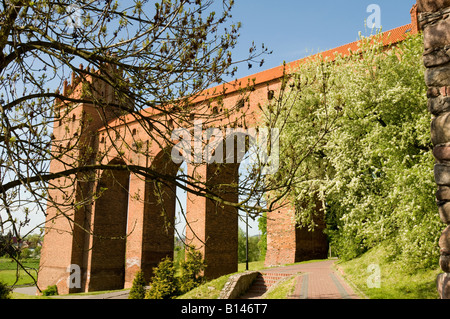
[(294, 29)]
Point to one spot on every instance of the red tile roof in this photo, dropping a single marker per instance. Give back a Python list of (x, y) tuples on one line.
[(389, 38)]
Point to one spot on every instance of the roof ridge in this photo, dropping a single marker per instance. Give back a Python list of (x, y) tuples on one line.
[(389, 37)]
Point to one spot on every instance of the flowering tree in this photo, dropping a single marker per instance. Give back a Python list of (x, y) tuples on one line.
[(373, 169)]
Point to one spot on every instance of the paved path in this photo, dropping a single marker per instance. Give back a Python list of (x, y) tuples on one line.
[(120, 294), (318, 280)]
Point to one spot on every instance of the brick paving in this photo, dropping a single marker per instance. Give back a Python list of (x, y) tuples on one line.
[(317, 280)]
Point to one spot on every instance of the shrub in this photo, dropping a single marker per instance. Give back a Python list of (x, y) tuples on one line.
[(26, 253), (163, 284), (138, 289), (5, 291), (191, 271), (50, 291)]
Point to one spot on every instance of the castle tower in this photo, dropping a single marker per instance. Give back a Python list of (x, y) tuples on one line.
[(69, 207)]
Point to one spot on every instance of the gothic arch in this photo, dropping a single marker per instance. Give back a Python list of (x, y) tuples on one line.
[(109, 231), (159, 214)]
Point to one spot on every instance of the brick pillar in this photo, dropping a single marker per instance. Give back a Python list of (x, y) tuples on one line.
[(288, 243), (212, 227), (65, 231), (158, 218), (281, 239), (151, 220), (135, 229), (62, 247), (434, 20)]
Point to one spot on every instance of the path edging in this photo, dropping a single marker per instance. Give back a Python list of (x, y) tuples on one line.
[(340, 272), (238, 284)]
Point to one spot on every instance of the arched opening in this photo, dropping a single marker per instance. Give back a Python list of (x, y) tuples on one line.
[(159, 215), (173, 215), (180, 218), (249, 249), (213, 223), (252, 194), (107, 268)]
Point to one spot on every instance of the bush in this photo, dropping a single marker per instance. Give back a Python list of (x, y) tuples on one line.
[(163, 284), (50, 291), (191, 271), (5, 291), (26, 253), (138, 289)]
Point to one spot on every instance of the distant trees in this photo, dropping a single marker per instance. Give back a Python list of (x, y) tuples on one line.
[(254, 253), (262, 244), (6, 246), (11, 246)]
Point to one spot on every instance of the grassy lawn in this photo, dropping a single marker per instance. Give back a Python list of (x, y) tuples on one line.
[(209, 290), (8, 271), (252, 266), (395, 281), (16, 295), (283, 289)]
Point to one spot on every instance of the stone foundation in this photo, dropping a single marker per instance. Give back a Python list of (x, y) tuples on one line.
[(434, 20)]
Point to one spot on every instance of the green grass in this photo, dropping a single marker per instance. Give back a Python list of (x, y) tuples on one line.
[(252, 266), (10, 276), (8, 271), (209, 290), (395, 281), (10, 264), (16, 295), (282, 289)]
